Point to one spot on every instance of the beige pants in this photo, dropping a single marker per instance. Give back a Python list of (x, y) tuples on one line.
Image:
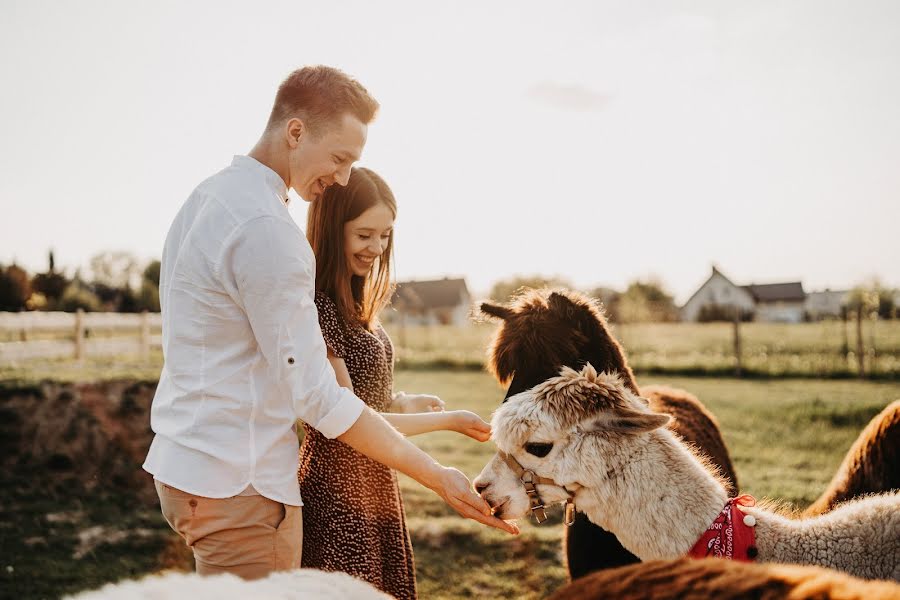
[(249, 536)]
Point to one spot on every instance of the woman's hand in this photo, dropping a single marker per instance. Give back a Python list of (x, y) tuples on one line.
[(470, 424), (417, 403)]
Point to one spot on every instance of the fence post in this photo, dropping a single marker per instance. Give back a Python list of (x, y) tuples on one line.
[(860, 348), (145, 335), (845, 349), (79, 334), (737, 341)]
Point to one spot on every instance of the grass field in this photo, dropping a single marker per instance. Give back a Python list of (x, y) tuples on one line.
[(814, 350), (786, 437), (768, 349)]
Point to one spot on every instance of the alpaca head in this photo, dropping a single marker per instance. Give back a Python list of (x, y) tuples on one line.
[(578, 429), (542, 331)]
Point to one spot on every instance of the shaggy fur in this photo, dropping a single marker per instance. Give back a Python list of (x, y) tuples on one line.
[(638, 480), (872, 465), (544, 330), (685, 579), (299, 584)]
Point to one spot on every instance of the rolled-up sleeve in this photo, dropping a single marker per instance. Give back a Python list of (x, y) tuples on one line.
[(271, 269)]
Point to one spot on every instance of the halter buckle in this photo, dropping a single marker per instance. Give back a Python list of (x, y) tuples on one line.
[(570, 512)]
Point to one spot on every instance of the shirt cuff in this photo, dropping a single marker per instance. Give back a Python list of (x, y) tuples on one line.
[(342, 417)]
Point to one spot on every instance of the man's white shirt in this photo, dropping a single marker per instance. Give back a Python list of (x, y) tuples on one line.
[(244, 354)]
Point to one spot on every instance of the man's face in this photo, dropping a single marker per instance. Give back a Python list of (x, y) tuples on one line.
[(316, 163)]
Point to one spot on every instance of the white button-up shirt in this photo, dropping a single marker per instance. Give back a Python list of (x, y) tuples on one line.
[(244, 355)]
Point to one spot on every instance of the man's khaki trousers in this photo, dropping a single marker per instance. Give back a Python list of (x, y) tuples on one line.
[(248, 536)]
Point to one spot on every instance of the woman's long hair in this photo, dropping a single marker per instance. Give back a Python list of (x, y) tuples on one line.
[(358, 299)]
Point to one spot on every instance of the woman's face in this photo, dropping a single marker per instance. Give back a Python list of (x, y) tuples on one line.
[(366, 238)]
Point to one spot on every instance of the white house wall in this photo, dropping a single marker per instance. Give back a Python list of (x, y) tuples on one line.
[(717, 290), (780, 312)]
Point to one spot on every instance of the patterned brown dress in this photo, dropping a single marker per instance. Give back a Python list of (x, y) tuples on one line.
[(353, 517)]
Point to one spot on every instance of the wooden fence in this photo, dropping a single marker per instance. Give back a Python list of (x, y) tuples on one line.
[(42, 335)]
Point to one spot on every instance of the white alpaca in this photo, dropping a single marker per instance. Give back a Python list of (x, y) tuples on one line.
[(299, 584), (589, 434)]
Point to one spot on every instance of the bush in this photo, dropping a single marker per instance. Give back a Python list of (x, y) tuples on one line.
[(148, 297), (710, 313), (51, 285), (504, 290), (77, 296), (15, 288)]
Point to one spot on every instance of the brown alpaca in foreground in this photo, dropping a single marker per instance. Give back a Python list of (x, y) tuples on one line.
[(687, 579)]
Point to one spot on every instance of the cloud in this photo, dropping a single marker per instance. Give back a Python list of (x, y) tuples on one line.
[(568, 97)]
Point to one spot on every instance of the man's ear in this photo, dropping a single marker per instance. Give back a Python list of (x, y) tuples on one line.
[(495, 310), (295, 129), (627, 421)]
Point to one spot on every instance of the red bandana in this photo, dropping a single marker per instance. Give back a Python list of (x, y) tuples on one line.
[(731, 535)]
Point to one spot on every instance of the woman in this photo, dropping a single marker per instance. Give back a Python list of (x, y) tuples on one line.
[(353, 517)]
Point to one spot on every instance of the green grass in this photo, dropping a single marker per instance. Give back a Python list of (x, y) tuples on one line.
[(768, 349), (90, 369), (786, 437), (814, 350)]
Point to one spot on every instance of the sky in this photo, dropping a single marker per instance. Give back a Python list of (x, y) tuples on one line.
[(600, 142)]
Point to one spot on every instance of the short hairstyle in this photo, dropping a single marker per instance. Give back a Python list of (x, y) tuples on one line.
[(321, 95)]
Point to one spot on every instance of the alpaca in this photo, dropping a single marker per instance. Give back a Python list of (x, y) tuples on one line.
[(298, 584), (685, 579), (600, 443), (871, 465), (544, 330)]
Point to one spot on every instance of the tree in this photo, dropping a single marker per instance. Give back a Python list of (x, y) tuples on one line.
[(505, 289), (148, 297), (15, 288), (115, 269), (609, 299), (874, 299), (51, 285), (151, 272), (646, 301), (78, 296)]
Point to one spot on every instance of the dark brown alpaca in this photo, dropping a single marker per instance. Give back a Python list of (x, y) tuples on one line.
[(872, 464), (689, 579), (543, 331)]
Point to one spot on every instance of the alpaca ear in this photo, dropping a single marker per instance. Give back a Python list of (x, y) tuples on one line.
[(495, 310), (562, 304), (628, 421)]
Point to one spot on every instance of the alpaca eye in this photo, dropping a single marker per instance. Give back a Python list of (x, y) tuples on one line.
[(539, 450)]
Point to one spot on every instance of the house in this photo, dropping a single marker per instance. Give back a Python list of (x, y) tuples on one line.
[(827, 304), (436, 302), (718, 293), (719, 298)]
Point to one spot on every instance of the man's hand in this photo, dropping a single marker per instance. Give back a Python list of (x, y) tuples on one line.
[(456, 490), (470, 424), (418, 403)]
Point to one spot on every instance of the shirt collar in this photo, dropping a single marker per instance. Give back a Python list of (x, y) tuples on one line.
[(273, 179)]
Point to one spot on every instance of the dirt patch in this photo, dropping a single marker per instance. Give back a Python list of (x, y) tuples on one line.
[(77, 437)]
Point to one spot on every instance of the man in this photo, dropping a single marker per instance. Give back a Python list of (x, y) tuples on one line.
[(244, 355)]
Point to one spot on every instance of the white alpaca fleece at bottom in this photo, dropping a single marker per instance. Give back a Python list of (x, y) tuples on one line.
[(861, 537), (299, 584)]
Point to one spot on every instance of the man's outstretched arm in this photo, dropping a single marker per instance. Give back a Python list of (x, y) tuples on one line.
[(269, 269)]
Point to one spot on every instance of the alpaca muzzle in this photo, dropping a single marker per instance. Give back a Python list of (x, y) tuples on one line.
[(530, 479)]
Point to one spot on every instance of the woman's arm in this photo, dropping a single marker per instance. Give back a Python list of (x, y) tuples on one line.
[(415, 403), (462, 421)]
